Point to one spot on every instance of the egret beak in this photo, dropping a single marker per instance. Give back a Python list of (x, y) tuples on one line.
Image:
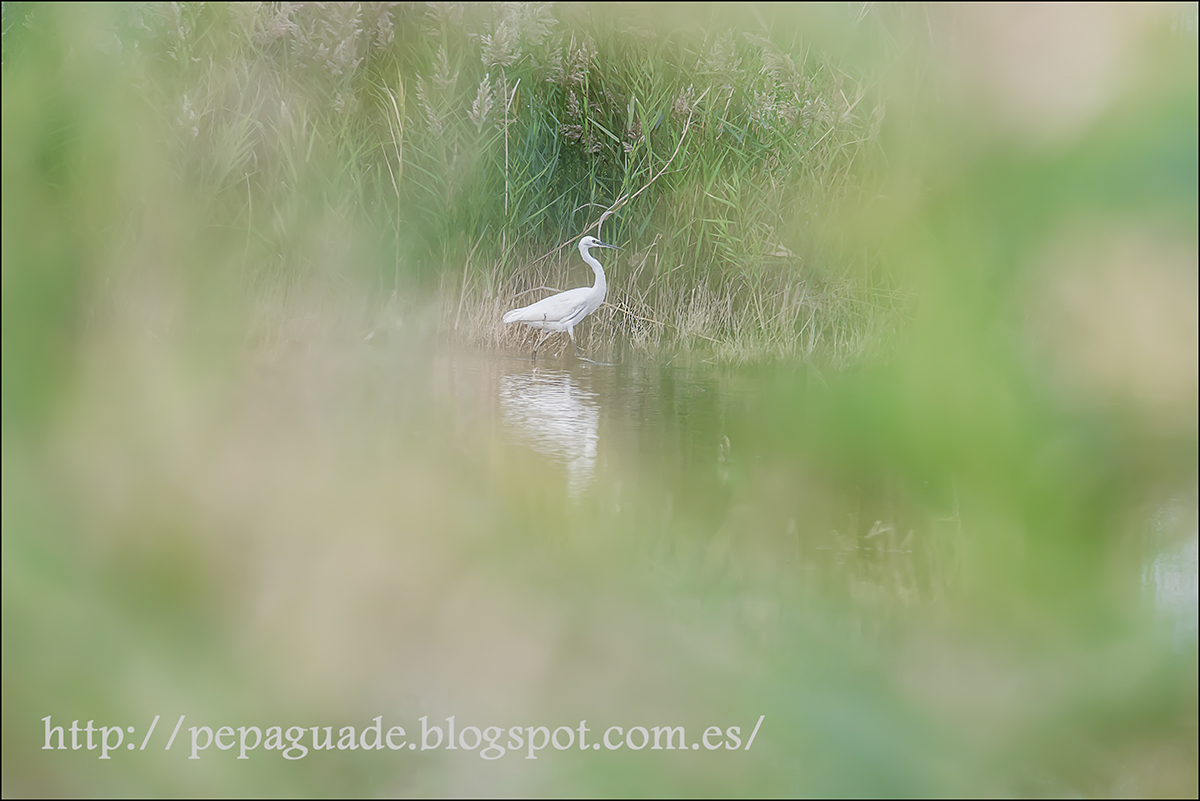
[(602, 245)]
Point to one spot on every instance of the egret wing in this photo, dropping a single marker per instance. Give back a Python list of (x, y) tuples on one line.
[(553, 313)]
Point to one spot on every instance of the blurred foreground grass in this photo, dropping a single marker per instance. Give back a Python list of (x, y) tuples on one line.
[(946, 566)]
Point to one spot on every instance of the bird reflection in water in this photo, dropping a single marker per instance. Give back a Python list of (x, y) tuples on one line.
[(550, 412)]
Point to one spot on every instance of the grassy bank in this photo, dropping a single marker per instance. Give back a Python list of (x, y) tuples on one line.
[(442, 155)]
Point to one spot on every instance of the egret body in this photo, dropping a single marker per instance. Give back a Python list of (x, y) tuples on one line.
[(562, 312)]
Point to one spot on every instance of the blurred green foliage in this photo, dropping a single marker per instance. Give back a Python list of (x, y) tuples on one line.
[(938, 535)]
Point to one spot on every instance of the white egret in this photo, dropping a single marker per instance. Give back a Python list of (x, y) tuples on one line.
[(562, 312)]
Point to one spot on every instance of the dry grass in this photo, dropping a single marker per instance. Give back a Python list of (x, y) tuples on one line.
[(785, 319)]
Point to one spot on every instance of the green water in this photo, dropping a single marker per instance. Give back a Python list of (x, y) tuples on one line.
[(341, 532)]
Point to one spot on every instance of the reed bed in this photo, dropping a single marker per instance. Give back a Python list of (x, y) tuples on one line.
[(452, 154)]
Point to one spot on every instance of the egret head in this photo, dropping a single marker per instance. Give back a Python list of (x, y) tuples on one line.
[(593, 242)]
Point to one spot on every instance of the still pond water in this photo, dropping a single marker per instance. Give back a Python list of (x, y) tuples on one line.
[(596, 429)]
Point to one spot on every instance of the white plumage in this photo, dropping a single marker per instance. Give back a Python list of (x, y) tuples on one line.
[(562, 312)]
